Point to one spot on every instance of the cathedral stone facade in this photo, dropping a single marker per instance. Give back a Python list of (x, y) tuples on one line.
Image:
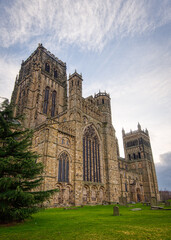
[(76, 139)]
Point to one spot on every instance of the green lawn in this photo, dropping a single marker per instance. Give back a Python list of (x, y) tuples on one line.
[(92, 222)]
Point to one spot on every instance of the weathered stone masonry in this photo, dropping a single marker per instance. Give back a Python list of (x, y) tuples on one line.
[(76, 139)]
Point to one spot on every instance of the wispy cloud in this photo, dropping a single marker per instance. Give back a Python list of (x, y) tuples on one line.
[(140, 90), (89, 24), (9, 69)]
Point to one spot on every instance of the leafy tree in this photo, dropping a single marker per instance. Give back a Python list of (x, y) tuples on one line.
[(20, 173)]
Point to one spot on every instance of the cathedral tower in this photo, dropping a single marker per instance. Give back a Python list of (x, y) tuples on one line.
[(103, 102), (40, 89), (110, 147), (138, 154), (75, 90), (76, 139)]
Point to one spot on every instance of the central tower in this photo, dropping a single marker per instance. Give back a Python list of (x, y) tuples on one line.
[(40, 89)]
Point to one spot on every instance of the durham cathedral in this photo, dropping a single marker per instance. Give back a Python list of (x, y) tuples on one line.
[(76, 139)]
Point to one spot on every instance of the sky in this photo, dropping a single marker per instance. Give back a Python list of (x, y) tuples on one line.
[(122, 47)]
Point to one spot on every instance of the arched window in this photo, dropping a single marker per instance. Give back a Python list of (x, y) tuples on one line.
[(91, 156), (53, 103), (139, 155), (47, 67), (55, 73), (63, 168), (78, 83), (102, 101), (72, 83), (46, 99)]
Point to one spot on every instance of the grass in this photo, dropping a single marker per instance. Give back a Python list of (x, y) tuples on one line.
[(92, 222)]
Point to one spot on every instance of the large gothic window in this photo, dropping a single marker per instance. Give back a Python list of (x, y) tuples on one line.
[(91, 156), (46, 99), (53, 103), (63, 168)]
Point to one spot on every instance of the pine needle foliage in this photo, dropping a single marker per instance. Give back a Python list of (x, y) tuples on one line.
[(20, 173)]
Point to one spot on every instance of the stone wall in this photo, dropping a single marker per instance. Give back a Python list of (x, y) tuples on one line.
[(59, 138)]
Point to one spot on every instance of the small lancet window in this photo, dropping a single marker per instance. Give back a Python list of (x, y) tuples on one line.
[(139, 155), (55, 73), (63, 168), (78, 83), (46, 100), (53, 103), (72, 83), (102, 101), (47, 67)]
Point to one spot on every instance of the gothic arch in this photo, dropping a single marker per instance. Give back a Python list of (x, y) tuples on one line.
[(93, 193), (78, 116), (101, 194), (86, 193), (63, 167), (66, 195), (47, 67), (46, 100), (91, 155), (54, 96), (95, 129), (55, 73), (58, 199)]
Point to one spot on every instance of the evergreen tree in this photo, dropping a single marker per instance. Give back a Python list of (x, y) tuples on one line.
[(20, 173)]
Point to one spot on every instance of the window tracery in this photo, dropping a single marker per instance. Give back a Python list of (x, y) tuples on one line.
[(53, 103), (63, 168), (91, 156), (46, 100)]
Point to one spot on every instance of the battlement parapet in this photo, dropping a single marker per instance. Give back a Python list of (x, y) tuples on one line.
[(40, 46), (75, 74), (139, 130), (102, 94), (135, 132), (54, 57)]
